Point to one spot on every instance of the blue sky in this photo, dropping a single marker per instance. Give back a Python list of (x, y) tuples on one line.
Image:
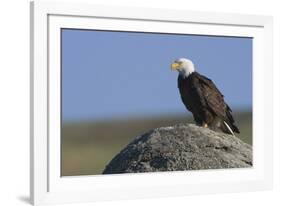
[(125, 74)]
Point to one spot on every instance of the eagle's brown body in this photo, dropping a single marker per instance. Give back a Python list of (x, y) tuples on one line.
[(201, 97)]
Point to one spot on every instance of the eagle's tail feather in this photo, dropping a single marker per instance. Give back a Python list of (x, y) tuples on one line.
[(228, 128)]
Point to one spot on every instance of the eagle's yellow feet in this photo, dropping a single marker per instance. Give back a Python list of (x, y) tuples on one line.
[(205, 125)]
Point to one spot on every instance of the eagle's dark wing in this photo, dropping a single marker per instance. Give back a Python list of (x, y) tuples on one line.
[(215, 101), (213, 97)]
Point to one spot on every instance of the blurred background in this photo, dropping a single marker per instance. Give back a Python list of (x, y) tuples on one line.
[(118, 85)]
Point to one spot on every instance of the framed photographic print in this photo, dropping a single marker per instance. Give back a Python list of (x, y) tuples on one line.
[(133, 103)]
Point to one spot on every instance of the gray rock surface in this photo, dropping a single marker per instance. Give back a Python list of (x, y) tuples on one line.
[(181, 147)]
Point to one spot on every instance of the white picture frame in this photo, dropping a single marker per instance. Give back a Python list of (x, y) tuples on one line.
[(47, 186)]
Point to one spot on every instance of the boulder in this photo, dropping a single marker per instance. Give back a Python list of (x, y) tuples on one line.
[(181, 147)]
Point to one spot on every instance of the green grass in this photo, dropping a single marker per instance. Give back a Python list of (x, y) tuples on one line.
[(88, 146)]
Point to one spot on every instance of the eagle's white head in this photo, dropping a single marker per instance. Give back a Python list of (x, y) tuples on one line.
[(184, 66)]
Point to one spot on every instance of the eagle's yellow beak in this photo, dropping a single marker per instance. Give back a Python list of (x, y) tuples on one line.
[(175, 66)]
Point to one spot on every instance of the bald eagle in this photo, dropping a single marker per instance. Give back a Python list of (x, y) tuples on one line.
[(203, 99)]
